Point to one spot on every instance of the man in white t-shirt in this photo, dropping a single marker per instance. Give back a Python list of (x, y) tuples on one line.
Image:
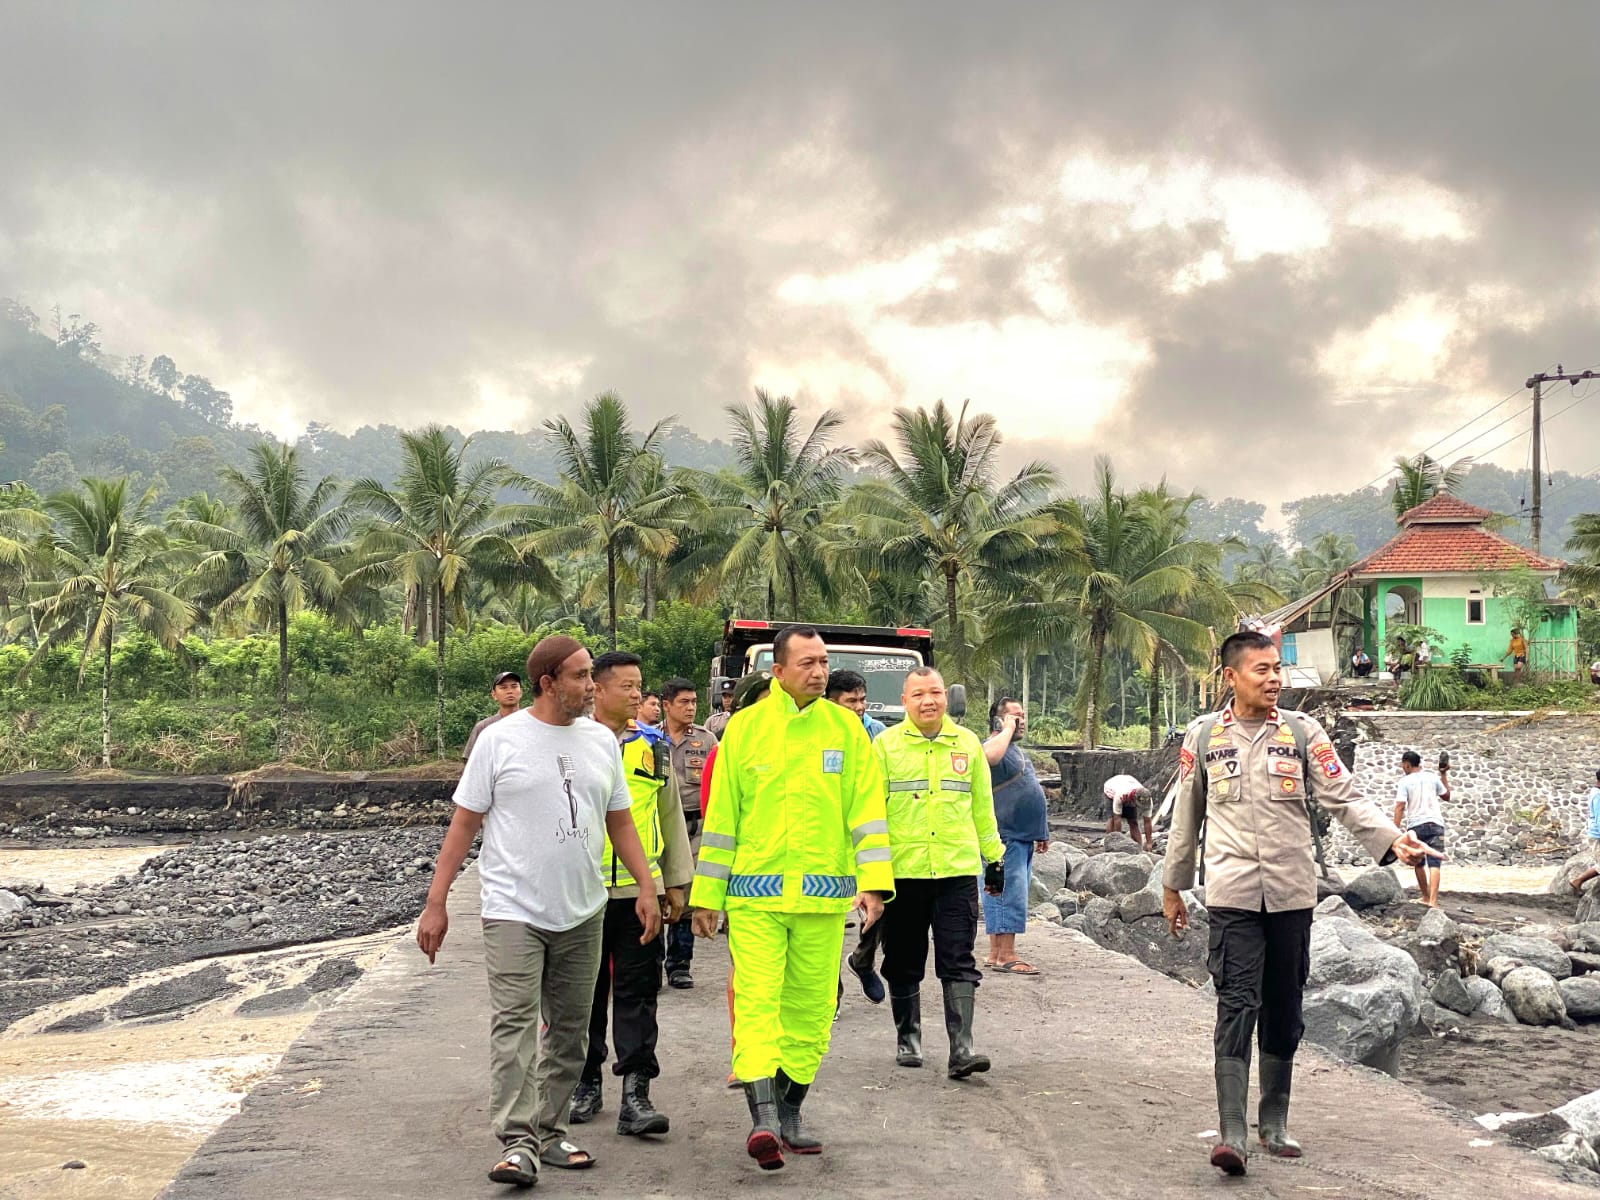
[(546, 787), (1417, 810), (1130, 800)]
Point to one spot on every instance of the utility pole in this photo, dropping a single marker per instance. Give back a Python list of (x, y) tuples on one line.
[(1537, 382)]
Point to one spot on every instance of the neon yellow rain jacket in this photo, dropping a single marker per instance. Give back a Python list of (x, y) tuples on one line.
[(941, 803), (796, 819)]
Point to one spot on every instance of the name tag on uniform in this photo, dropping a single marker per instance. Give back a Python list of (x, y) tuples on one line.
[(833, 762)]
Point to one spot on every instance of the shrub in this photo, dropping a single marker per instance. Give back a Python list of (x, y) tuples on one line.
[(1437, 690)]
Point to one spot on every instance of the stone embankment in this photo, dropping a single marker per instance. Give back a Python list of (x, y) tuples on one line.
[(1519, 782), (57, 805), (202, 902)]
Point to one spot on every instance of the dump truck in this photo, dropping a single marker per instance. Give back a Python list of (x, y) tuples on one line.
[(879, 654)]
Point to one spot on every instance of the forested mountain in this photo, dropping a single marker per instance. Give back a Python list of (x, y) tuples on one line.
[(67, 410)]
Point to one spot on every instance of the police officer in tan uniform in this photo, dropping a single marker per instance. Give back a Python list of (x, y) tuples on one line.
[(1245, 774), (691, 745)]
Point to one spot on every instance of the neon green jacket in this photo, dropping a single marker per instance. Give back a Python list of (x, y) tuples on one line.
[(796, 819), (656, 815), (941, 803)]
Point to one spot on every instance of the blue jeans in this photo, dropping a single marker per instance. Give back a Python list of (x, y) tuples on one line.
[(680, 945), (1008, 912)]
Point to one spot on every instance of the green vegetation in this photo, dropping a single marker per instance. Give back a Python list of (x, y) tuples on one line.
[(344, 601)]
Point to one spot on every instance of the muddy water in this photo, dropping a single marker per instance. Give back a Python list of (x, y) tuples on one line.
[(1467, 878), (133, 1101), (62, 868)]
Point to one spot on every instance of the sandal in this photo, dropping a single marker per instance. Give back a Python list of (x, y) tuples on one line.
[(564, 1155), (515, 1168), (1016, 967)]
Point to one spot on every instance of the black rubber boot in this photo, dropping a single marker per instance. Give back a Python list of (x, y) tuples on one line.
[(637, 1115), (585, 1101), (791, 1096), (1272, 1116), (907, 1011), (765, 1143), (1231, 1153), (958, 1003)]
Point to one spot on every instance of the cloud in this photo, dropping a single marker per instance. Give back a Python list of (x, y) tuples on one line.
[(1138, 229)]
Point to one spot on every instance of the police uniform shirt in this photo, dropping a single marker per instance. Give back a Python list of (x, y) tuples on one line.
[(1258, 850), (689, 754)]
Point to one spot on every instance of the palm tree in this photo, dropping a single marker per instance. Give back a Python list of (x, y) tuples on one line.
[(776, 502), (437, 531), (22, 525), (1421, 478), (937, 509), (1137, 583), (1583, 572), (611, 495), (106, 568), (276, 555), (1265, 563)]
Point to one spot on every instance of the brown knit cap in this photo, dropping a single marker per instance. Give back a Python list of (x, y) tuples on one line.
[(546, 658)]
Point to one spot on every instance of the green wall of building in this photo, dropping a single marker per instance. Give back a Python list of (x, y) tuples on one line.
[(1444, 608)]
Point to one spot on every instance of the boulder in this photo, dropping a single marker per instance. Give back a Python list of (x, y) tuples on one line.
[(1584, 963), (1589, 905), (1098, 915), (1066, 902), (1075, 857), (1136, 905), (1434, 945), (1050, 868), (1534, 997), (1561, 882), (1487, 1000), (1333, 885), (1046, 914), (1038, 892), (1571, 1151), (1373, 888), (1114, 874), (1336, 908), (1119, 843), (1450, 992), (1148, 941), (10, 902), (1581, 997), (1583, 1114), (1583, 939), (1533, 951), (1362, 997)]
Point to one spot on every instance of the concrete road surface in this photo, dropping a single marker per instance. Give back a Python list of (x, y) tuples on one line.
[(1101, 1088)]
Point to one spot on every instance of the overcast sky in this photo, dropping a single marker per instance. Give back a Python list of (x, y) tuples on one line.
[(1259, 248)]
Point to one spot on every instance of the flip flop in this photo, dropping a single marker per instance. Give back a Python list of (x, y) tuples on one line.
[(560, 1155), (1016, 967), (517, 1168)]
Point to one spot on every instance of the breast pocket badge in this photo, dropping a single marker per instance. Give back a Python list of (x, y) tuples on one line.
[(833, 762)]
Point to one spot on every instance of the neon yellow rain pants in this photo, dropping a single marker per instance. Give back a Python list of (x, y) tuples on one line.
[(786, 984)]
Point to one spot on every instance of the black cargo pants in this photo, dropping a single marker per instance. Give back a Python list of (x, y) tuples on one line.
[(946, 907), (1259, 962), (628, 984)]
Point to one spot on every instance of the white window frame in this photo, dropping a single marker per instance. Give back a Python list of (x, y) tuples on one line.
[(1476, 594)]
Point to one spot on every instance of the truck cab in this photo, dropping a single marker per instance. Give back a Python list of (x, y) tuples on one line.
[(882, 655)]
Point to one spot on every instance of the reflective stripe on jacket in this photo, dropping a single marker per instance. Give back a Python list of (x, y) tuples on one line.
[(795, 821), (941, 808)]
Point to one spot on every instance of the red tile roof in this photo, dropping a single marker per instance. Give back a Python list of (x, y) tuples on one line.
[(1459, 549), (1445, 508)]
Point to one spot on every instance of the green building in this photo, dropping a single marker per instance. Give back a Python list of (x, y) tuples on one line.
[(1439, 571)]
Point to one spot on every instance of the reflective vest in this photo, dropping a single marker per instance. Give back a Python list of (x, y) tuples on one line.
[(941, 804), (796, 819), (644, 762)]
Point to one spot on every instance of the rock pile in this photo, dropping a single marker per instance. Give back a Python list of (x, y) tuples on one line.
[(204, 900)]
